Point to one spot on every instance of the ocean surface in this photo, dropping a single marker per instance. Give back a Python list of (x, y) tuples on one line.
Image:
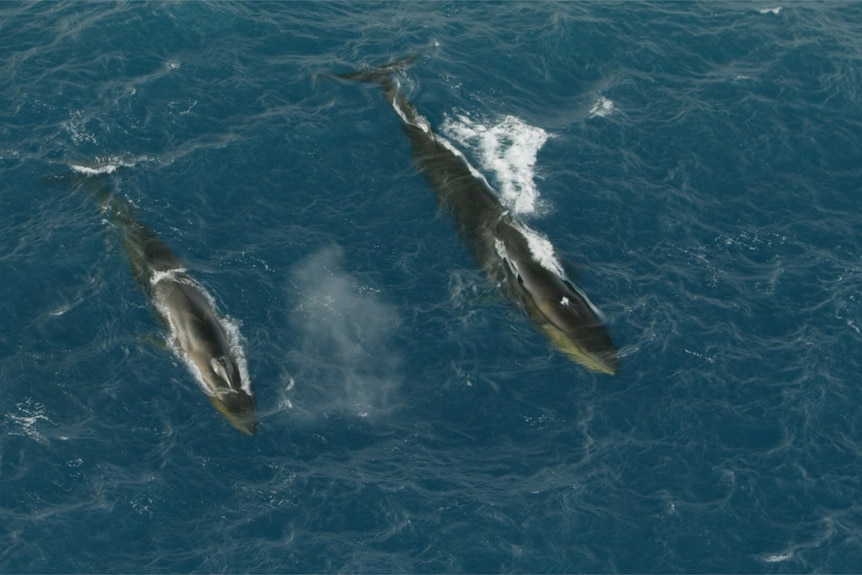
[(698, 166)]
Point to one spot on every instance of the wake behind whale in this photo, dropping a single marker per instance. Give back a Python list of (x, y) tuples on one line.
[(509, 252)]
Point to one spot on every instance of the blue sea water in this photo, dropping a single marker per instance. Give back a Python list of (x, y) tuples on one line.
[(697, 164)]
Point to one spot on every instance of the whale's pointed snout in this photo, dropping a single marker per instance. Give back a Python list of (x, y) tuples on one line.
[(238, 408), (594, 350)]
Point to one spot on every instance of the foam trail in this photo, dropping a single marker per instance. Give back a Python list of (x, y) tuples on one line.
[(507, 148), (543, 251)]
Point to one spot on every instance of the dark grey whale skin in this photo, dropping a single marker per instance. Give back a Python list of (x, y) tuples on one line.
[(498, 242)]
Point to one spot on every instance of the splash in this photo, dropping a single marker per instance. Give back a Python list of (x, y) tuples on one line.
[(507, 148), (543, 251), (169, 275)]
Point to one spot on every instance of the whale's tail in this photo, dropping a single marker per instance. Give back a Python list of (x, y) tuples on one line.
[(380, 74), (385, 76)]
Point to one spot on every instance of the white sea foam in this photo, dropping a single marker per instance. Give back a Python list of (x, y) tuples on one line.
[(77, 128), (778, 557), (455, 151), (106, 165), (500, 247), (93, 170), (775, 10), (30, 416), (509, 149), (174, 274), (543, 251), (602, 108)]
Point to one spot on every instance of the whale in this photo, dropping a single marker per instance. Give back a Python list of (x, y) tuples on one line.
[(197, 334), (512, 255)]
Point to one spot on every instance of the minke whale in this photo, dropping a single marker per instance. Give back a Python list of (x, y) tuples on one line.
[(518, 259), (197, 334)]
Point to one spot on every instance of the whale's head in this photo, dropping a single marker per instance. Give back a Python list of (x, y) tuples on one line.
[(558, 307), (227, 394), (238, 408), (574, 327), (201, 339), (570, 321)]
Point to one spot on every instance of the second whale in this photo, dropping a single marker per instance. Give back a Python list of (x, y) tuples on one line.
[(510, 253)]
